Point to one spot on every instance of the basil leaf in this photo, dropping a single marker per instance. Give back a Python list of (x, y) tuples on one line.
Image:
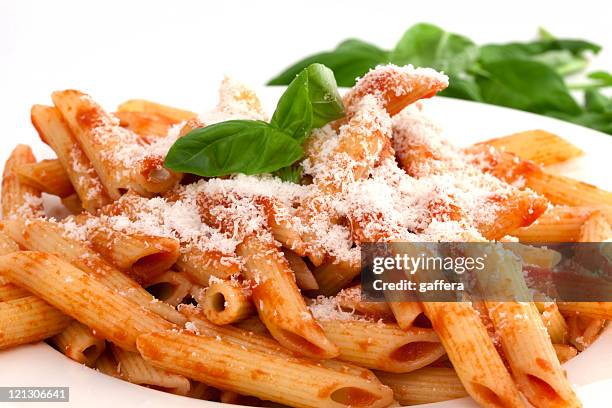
[(426, 45), (291, 173), (603, 78), (311, 101), (236, 146), (351, 59), (526, 85), (595, 101), (463, 87)]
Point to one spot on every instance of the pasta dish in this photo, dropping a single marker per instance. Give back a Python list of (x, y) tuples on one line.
[(218, 255)]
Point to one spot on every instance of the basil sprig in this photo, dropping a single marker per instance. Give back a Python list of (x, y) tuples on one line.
[(254, 147), (531, 76)]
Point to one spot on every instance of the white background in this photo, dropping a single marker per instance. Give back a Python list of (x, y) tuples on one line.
[(177, 51)]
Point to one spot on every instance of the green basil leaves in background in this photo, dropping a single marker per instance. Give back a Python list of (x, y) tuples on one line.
[(530, 76), (254, 147), (350, 59)]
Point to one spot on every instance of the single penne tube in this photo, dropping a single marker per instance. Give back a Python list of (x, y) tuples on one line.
[(170, 287), (144, 106), (99, 135), (8, 291), (565, 352), (145, 124), (350, 299), (303, 276), (17, 197), (202, 265), (567, 191), (81, 296), (523, 336), (424, 386), (78, 342), (596, 310), (54, 131), (406, 313), (383, 346), (557, 224), (135, 369), (45, 236), (397, 87), (28, 320), (142, 256), (260, 368), (47, 176), (553, 321), (538, 256), (537, 145), (227, 302), (596, 228), (279, 302), (583, 331), (335, 275)]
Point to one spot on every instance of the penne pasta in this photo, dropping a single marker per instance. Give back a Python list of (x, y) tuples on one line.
[(261, 369), (483, 374), (79, 343), (82, 297), (565, 352), (145, 124), (28, 320), (532, 255), (275, 294), (596, 228), (8, 291), (54, 131), (424, 386), (47, 176), (406, 313), (553, 321), (143, 256), (170, 287), (136, 370), (595, 310), (41, 235), (557, 224), (350, 299), (523, 336), (538, 145), (227, 302), (275, 291), (144, 106), (19, 198), (383, 346), (396, 87), (333, 276), (303, 276)]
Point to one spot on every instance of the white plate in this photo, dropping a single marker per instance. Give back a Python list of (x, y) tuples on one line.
[(465, 123)]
